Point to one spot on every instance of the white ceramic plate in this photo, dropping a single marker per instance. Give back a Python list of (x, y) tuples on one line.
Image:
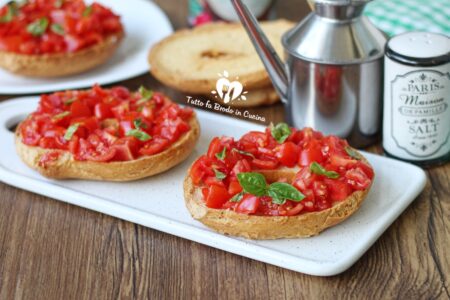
[(145, 24), (158, 203)]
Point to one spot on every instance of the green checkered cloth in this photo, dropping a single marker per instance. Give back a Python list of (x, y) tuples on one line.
[(398, 16)]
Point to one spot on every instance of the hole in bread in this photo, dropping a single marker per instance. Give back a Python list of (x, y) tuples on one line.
[(214, 54), (12, 123)]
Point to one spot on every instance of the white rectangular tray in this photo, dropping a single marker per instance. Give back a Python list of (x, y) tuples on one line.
[(158, 203)]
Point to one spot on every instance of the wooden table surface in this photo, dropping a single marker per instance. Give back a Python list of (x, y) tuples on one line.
[(53, 250)]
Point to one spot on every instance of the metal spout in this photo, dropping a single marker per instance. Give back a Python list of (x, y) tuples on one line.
[(272, 62)]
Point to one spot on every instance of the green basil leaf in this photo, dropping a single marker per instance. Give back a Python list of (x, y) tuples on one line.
[(146, 95), (279, 201), (21, 3), (57, 28), (87, 11), (280, 132), (11, 11), (353, 153), (243, 152), (70, 101), (138, 124), (61, 115), (238, 197), (38, 27), (281, 191), (59, 3), (319, 170), (219, 175), (253, 183), (71, 131), (139, 134), (222, 154)]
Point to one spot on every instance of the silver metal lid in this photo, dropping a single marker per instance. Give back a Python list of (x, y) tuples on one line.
[(336, 33)]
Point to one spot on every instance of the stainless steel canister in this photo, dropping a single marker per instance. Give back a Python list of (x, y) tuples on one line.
[(332, 79)]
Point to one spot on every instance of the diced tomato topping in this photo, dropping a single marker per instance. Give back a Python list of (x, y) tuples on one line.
[(260, 151), (341, 161), (311, 153), (288, 154), (101, 120), (339, 189), (155, 145), (295, 210), (358, 179), (248, 205), (102, 111), (234, 188), (214, 148), (366, 169), (304, 179), (241, 166), (69, 27), (104, 155), (217, 196), (48, 158), (264, 164)]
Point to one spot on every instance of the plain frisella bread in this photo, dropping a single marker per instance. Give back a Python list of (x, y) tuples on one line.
[(190, 60)]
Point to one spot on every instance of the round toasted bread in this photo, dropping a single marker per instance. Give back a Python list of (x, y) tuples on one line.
[(270, 227), (254, 98), (191, 59), (65, 166), (60, 64)]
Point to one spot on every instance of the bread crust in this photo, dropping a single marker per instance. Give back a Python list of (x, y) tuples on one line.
[(269, 227), (65, 166), (61, 64), (200, 84)]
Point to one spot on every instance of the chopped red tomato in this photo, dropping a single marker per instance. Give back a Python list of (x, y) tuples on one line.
[(365, 168), (126, 148), (341, 161), (357, 178), (311, 153), (339, 189), (241, 166), (304, 179), (197, 171), (217, 196), (214, 148), (102, 111), (248, 205), (48, 158), (234, 188), (79, 109), (264, 164), (288, 154), (105, 155), (295, 210), (155, 145)]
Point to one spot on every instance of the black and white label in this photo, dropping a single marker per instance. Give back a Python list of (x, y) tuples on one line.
[(420, 113)]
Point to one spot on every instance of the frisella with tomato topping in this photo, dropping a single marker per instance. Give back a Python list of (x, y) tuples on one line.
[(280, 176), (52, 38), (107, 126), (46, 26)]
